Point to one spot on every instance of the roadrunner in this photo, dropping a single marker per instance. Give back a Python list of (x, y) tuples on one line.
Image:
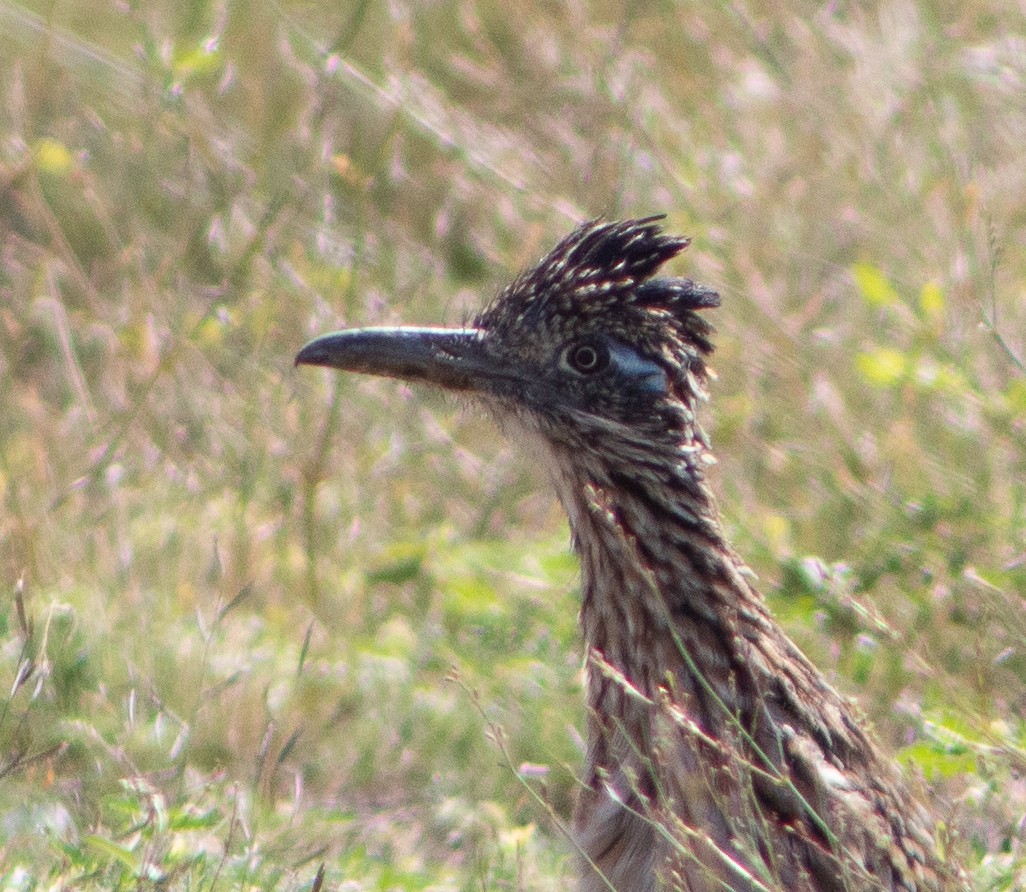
[(719, 758)]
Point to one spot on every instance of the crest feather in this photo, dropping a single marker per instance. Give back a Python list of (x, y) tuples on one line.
[(607, 267)]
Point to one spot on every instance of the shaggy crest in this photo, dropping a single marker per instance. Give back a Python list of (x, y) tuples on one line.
[(601, 276)]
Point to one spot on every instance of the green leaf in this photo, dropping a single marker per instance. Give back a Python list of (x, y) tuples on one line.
[(396, 572), (1015, 394), (204, 58), (112, 850), (472, 599), (883, 367), (936, 761), (53, 157), (943, 378), (874, 286), (186, 819), (931, 302)]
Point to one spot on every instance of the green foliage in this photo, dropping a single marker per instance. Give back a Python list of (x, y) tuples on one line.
[(262, 621)]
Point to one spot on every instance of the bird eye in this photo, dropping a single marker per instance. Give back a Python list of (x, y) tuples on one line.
[(587, 358)]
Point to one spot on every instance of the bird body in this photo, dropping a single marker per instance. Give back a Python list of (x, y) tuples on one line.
[(719, 758)]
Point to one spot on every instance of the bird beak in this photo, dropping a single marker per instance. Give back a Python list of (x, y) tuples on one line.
[(452, 358)]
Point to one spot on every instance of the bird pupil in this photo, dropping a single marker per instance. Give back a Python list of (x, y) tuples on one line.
[(585, 359)]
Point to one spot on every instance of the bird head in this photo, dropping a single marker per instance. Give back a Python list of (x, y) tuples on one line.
[(585, 344)]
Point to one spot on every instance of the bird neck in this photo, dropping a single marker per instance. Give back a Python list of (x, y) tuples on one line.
[(657, 571)]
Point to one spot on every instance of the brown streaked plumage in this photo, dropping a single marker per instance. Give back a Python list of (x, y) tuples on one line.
[(719, 758)]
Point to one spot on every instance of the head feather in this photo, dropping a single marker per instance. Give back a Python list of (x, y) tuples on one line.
[(601, 276)]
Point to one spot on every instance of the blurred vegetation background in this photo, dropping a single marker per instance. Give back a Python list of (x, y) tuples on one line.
[(268, 629)]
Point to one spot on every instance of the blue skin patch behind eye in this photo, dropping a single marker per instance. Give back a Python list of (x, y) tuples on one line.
[(645, 375)]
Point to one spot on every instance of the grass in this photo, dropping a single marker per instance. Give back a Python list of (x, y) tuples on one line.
[(258, 622)]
